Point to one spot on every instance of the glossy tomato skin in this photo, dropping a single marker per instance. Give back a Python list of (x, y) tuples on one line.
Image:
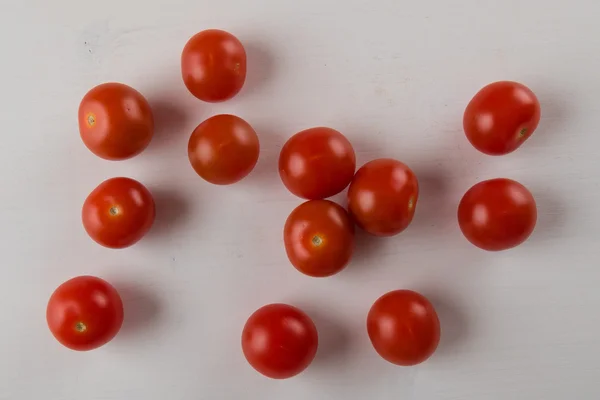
[(118, 213), (497, 214), (115, 121), (319, 238), (223, 149), (383, 196), (84, 313), (403, 327), (317, 163), (279, 341), (213, 65), (501, 117)]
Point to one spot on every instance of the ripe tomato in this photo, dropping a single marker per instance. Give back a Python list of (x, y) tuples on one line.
[(223, 149), (403, 327), (84, 313), (115, 121), (497, 214), (383, 196), (317, 163), (118, 212), (213, 65), (501, 117), (319, 238), (279, 341)]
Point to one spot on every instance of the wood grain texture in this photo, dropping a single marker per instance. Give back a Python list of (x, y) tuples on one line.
[(394, 76)]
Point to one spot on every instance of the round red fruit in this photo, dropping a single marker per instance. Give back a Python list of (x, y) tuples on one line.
[(501, 117), (84, 313), (115, 121), (317, 163), (497, 214), (279, 341), (383, 196), (403, 327), (319, 238), (213, 65), (118, 212)]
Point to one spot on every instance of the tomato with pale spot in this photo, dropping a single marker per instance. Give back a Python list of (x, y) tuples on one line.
[(501, 117), (84, 313), (383, 196), (319, 238), (115, 121), (118, 213)]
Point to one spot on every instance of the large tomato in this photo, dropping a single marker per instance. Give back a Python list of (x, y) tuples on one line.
[(319, 238), (115, 121), (317, 163), (223, 149), (383, 196), (403, 327), (84, 313), (279, 341), (118, 212), (501, 117), (497, 214), (213, 65)]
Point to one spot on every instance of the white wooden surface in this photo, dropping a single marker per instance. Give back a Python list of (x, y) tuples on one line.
[(394, 76)]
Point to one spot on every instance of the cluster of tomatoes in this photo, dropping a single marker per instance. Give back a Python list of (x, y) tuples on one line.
[(279, 340)]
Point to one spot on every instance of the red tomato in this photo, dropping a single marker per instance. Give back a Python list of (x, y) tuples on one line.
[(84, 313), (497, 214), (223, 149), (279, 341), (403, 327), (213, 65), (319, 238), (383, 196), (317, 163), (115, 121), (118, 212), (501, 117)]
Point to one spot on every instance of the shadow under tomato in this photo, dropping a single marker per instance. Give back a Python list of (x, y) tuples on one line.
[(172, 210), (454, 323), (261, 66), (334, 338), (172, 121), (266, 171), (142, 309)]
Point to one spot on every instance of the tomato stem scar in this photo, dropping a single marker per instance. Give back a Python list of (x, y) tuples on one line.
[(411, 203), (114, 210), (522, 132), (316, 240), (80, 327), (91, 119)]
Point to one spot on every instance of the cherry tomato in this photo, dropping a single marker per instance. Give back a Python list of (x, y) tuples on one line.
[(84, 313), (115, 121), (317, 163), (118, 212), (213, 65), (279, 341), (403, 327), (383, 196), (501, 117), (319, 238), (497, 214), (223, 149)]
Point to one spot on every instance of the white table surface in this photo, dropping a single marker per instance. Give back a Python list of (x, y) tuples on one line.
[(394, 76)]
